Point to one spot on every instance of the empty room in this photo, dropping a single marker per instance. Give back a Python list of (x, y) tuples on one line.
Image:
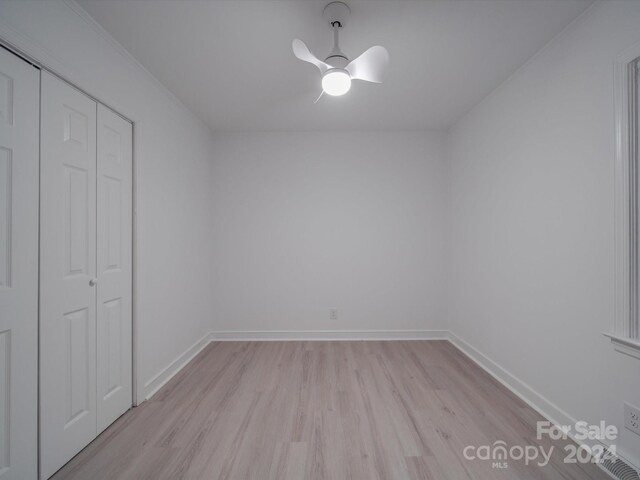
[(316, 239)]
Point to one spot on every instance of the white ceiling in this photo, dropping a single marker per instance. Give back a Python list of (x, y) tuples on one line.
[(231, 62)]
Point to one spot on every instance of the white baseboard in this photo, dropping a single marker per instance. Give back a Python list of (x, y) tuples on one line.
[(526, 393), (306, 335), (161, 378), (538, 402)]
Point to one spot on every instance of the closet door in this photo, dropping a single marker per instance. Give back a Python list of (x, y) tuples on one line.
[(114, 266), (19, 106), (67, 273)]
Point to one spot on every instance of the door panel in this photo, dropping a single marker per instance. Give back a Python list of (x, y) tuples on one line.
[(19, 107), (67, 270), (114, 266)]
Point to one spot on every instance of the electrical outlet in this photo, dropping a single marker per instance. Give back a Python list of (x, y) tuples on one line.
[(632, 418), (333, 314)]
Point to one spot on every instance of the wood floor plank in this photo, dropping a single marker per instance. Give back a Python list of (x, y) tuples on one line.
[(323, 410)]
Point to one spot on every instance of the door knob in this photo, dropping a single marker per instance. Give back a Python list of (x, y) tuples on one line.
[(92, 282)]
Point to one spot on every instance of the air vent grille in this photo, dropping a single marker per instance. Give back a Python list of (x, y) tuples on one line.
[(618, 468)]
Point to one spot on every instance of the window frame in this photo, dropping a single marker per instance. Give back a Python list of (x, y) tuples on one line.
[(625, 334)]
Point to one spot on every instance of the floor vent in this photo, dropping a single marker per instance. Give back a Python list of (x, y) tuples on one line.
[(618, 468)]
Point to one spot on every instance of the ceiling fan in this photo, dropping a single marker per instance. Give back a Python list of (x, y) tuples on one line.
[(336, 69)]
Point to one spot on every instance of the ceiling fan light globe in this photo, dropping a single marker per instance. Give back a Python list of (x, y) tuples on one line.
[(336, 82)]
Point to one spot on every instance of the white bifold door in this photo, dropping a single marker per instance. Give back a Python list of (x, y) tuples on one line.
[(19, 110), (114, 244), (85, 271)]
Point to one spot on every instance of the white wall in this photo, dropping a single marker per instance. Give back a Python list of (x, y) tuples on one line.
[(172, 151), (309, 221), (532, 206), (296, 223)]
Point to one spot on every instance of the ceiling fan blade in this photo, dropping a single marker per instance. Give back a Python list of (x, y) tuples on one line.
[(370, 65), (301, 51)]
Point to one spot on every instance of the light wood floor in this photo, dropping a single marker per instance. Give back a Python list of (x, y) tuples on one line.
[(321, 410)]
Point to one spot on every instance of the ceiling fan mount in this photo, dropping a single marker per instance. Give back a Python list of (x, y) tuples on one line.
[(336, 69), (336, 13)]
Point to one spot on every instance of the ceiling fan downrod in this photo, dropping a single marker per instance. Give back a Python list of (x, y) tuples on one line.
[(337, 14)]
